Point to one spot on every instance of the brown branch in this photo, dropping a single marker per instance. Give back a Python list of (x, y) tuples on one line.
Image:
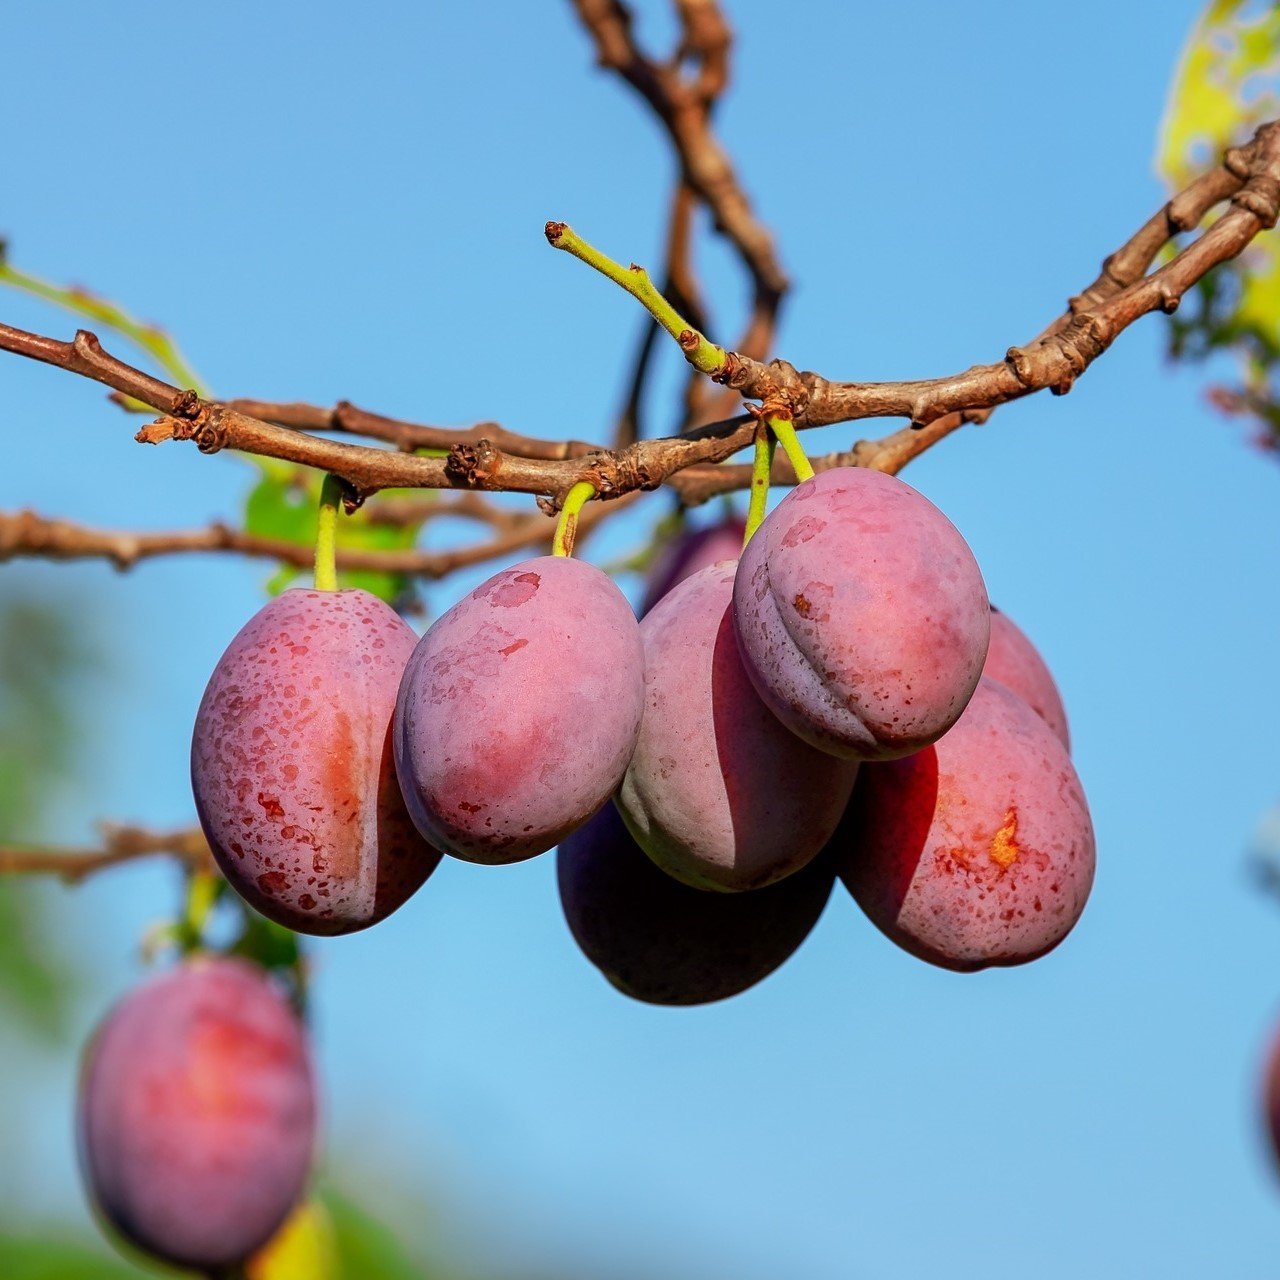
[(25, 534), (683, 107), (685, 103), (408, 509), (1122, 294), (405, 436), (1250, 176), (680, 287), (120, 844)]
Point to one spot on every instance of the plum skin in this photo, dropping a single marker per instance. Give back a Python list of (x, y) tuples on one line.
[(519, 709), (197, 1113), (718, 792), (978, 850), (1016, 663), (292, 769), (690, 552), (862, 615), (660, 941)]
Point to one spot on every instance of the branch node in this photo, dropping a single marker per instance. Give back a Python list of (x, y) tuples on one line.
[(1020, 363), (1261, 197), (474, 465)]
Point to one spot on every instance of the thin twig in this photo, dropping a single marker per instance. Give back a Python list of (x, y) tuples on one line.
[(120, 844)]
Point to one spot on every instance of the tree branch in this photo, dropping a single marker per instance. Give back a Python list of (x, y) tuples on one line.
[(1249, 176), (25, 534), (119, 844), (684, 108)]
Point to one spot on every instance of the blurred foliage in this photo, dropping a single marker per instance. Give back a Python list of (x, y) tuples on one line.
[(329, 1238), (305, 1248), (41, 653), (282, 504), (1227, 83), (285, 505)]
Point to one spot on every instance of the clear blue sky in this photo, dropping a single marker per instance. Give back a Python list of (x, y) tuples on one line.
[(348, 202)]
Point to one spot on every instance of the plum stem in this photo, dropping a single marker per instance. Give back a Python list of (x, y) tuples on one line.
[(761, 471), (785, 430), (203, 890), (698, 350), (567, 525), (327, 534)]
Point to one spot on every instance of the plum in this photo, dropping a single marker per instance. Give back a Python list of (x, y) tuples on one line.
[(977, 850), (519, 709), (292, 768), (197, 1114), (1271, 1098), (719, 793), (862, 615), (1014, 661), (692, 550), (660, 941)]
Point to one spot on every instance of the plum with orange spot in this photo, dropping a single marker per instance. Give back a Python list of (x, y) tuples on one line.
[(862, 615), (977, 850), (519, 709), (197, 1114), (292, 768)]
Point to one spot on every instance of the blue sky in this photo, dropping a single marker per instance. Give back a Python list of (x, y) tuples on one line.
[(349, 204)]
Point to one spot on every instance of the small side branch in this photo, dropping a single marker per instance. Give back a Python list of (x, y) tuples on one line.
[(120, 844)]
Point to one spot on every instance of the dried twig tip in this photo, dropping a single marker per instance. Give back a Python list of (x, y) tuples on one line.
[(553, 231)]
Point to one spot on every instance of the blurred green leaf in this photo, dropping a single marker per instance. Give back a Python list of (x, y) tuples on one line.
[(285, 506), (1226, 84), (41, 655), (52, 1256), (367, 1247)]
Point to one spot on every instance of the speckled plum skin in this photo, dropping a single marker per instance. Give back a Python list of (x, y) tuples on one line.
[(292, 768), (977, 850), (519, 709), (692, 551), (719, 793), (660, 941), (862, 615), (1016, 663), (197, 1114)]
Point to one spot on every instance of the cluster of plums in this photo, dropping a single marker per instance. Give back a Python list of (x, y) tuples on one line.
[(840, 702)]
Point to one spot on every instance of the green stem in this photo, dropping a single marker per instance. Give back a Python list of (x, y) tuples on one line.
[(203, 890), (698, 350), (761, 473), (567, 525), (158, 344), (785, 430), (327, 534)]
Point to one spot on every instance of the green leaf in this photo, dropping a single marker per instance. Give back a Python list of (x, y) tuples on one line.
[(43, 659), (1225, 85), (51, 1255), (367, 1247), (285, 506), (1228, 82)]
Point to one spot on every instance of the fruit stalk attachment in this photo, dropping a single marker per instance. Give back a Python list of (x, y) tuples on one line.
[(698, 350), (785, 430), (761, 472), (326, 535), (567, 525)]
